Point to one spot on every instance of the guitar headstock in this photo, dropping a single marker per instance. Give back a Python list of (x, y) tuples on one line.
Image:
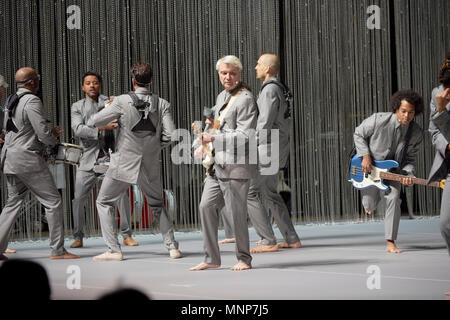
[(196, 127)]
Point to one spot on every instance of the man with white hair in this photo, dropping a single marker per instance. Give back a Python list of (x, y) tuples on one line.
[(227, 184)]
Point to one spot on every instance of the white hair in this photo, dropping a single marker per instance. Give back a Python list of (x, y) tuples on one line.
[(233, 60), (3, 82)]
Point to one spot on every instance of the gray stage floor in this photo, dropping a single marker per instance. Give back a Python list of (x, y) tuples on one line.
[(332, 264)]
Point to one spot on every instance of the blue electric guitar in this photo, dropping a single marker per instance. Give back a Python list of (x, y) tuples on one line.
[(379, 173)]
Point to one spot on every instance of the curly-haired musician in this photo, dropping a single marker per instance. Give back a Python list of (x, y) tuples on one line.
[(390, 136)]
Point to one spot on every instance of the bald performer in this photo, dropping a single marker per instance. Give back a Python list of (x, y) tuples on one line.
[(273, 115), (3, 85), (25, 168)]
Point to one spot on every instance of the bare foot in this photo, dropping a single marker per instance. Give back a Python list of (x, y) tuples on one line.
[(10, 251), (264, 248), (227, 240), (258, 243), (392, 248), (204, 266), (290, 245), (241, 266), (368, 212)]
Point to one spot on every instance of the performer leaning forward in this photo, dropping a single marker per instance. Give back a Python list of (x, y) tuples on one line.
[(24, 166)]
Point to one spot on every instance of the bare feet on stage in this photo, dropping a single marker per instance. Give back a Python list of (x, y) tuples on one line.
[(10, 251), (204, 266), (368, 212), (264, 248), (259, 242), (290, 245), (227, 240), (392, 248), (241, 267)]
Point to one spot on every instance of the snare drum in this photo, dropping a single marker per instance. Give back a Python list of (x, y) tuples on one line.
[(69, 153)]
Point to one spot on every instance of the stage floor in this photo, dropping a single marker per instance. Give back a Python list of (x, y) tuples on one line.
[(332, 264)]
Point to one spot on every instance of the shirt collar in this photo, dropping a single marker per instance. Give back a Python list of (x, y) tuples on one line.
[(142, 90)]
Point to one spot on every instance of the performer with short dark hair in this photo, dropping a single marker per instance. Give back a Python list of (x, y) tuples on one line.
[(146, 126), (96, 150)]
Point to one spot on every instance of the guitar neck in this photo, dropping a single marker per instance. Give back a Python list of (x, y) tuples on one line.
[(399, 177)]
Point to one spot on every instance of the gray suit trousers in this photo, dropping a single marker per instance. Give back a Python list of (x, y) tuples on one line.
[(227, 220), (42, 186), (276, 206), (259, 216), (232, 194), (84, 182), (371, 198), (110, 192), (445, 214)]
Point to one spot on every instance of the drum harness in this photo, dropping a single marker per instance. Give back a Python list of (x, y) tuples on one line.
[(10, 109)]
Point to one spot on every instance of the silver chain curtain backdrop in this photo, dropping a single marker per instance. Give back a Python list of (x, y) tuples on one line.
[(339, 70)]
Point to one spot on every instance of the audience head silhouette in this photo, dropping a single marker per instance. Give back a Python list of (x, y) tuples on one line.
[(25, 279)]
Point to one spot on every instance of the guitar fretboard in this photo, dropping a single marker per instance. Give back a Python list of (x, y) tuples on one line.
[(399, 177)]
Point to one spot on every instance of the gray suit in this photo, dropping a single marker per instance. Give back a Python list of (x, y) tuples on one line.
[(229, 186), (440, 136), (91, 140), (272, 107), (136, 161), (26, 170), (382, 136)]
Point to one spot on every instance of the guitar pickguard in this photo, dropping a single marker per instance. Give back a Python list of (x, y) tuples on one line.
[(362, 181)]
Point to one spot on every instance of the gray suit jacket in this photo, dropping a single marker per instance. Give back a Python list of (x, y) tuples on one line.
[(231, 141), (89, 137), (22, 152), (440, 136), (135, 151), (272, 107), (375, 135)]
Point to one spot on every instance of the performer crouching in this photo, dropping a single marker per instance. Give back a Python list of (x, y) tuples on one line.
[(391, 136)]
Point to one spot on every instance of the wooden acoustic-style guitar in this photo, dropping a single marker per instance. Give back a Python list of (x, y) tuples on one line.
[(207, 147)]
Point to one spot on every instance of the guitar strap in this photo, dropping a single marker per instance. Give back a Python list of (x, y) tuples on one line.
[(229, 104)]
